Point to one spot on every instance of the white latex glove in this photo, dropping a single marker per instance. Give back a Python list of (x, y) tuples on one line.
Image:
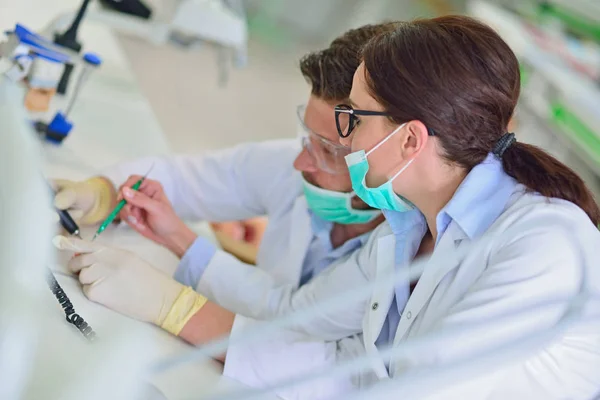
[(88, 202), (123, 282)]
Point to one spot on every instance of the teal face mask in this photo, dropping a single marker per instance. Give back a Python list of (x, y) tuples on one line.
[(335, 206), (382, 197)]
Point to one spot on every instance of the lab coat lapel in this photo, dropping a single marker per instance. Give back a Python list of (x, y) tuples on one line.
[(381, 301), (443, 260), (384, 293), (300, 237)]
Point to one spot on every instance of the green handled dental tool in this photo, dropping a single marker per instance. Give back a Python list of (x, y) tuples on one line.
[(111, 217)]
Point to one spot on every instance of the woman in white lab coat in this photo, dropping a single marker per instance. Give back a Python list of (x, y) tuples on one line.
[(427, 121)]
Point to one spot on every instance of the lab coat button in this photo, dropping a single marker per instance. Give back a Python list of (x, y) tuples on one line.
[(375, 306), (408, 315)]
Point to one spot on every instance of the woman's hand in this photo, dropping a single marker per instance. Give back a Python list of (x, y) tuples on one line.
[(150, 213)]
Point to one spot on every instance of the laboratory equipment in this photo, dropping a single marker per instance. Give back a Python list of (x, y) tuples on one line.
[(218, 24), (60, 126), (36, 46), (72, 317), (42, 81), (68, 223), (131, 7), (70, 314), (68, 39)]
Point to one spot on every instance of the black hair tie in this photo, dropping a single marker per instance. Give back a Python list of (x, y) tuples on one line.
[(504, 143)]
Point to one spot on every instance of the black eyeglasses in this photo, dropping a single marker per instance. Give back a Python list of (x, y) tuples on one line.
[(346, 120)]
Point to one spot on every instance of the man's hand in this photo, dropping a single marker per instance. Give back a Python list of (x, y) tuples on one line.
[(249, 231), (125, 283), (150, 213), (88, 202)]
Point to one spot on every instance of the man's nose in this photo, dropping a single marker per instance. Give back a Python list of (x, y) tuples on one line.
[(305, 162)]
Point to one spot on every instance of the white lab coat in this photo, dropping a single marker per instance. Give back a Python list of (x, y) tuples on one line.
[(239, 183), (537, 264), (529, 262)]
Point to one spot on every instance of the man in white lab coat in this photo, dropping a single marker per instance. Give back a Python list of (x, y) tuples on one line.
[(306, 233)]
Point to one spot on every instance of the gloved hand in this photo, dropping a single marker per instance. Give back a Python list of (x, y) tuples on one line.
[(150, 213), (123, 282), (88, 202)]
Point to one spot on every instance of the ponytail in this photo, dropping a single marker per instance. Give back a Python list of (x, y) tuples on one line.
[(540, 172)]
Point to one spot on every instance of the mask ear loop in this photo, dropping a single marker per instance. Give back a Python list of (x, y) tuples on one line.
[(384, 140), (402, 169)]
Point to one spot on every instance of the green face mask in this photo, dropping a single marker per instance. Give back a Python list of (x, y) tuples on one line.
[(382, 197), (335, 206)]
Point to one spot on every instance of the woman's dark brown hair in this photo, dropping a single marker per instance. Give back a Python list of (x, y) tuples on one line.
[(458, 77)]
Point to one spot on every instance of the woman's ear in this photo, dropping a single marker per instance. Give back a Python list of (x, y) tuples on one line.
[(415, 138)]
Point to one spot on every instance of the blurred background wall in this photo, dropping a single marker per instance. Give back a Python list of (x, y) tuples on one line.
[(259, 101)]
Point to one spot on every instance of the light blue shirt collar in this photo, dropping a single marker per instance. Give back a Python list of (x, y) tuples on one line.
[(477, 203), (479, 200)]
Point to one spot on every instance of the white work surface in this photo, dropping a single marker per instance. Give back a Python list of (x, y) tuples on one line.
[(114, 122)]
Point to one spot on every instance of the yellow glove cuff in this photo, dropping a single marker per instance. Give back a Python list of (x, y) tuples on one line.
[(105, 199), (185, 306)]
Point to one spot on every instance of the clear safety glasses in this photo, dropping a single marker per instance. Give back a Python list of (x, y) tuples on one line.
[(328, 155)]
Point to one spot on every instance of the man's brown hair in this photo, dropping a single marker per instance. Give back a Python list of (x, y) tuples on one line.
[(330, 71)]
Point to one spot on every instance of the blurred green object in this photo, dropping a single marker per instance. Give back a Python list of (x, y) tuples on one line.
[(577, 23), (524, 70), (263, 25), (577, 130)]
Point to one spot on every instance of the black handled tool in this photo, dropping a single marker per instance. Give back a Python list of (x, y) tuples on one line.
[(68, 223), (66, 220)]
